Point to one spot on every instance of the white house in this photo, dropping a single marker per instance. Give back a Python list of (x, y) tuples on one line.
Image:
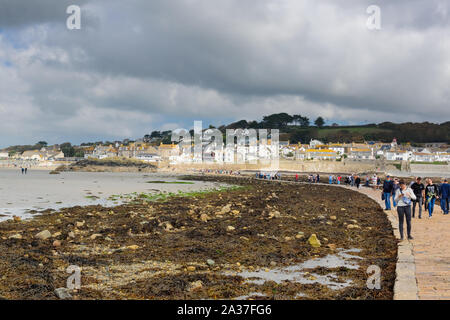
[(314, 143), (54, 154), (423, 157), (338, 148), (300, 155), (287, 151), (321, 154), (397, 155), (445, 156), (4, 155), (361, 153), (33, 155), (148, 157)]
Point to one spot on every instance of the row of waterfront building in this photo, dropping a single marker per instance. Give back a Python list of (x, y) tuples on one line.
[(315, 150)]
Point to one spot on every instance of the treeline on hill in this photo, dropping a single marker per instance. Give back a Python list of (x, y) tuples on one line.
[(66, 148), (297, 128), (12, 150)]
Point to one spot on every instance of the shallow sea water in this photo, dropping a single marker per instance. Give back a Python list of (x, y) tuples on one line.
[(38, 190)]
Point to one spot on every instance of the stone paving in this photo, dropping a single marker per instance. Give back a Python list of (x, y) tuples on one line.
[(430, 249)]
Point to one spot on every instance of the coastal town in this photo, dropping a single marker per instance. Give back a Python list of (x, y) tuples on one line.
[(315, 150)]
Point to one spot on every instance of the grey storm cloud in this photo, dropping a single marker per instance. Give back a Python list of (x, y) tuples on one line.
[(137, 65), (20, 13)]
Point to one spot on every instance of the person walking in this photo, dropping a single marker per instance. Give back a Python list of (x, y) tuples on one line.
[(374, 181), (357, 182), (444, 194), (394, 190), (388, 186), (403, 197), (431, 194), (23, 170), (419, 191)]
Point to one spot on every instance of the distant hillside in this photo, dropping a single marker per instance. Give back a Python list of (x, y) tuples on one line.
[(298, 129)]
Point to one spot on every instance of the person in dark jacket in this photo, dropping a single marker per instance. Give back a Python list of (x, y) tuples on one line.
[(444, 194), (419, 191), (388, 186), (357, 182)]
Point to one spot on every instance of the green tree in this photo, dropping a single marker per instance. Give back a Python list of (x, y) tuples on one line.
[(304, 135), (253, 124), (304, 122), (68, 150), (79, 153), (42, 143), (319, 122), (147, 138), (156, 134), (277, 121), (301, 121)]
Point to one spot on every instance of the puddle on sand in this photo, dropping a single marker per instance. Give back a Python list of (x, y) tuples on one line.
[(251, 295), (296, 273), (27, 213)]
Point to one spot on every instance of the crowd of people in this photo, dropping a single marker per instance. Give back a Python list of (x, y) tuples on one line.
[(408, 198), (221, 172), (352, 180), (313, 178), (268, 175)]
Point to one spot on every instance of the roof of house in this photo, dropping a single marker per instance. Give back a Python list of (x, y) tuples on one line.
[(397, 151), (31, 153), (422, 154), (168, 146), (321, 150), (360, 150)]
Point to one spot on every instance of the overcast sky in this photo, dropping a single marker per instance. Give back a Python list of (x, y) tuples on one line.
[(139, 65)]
